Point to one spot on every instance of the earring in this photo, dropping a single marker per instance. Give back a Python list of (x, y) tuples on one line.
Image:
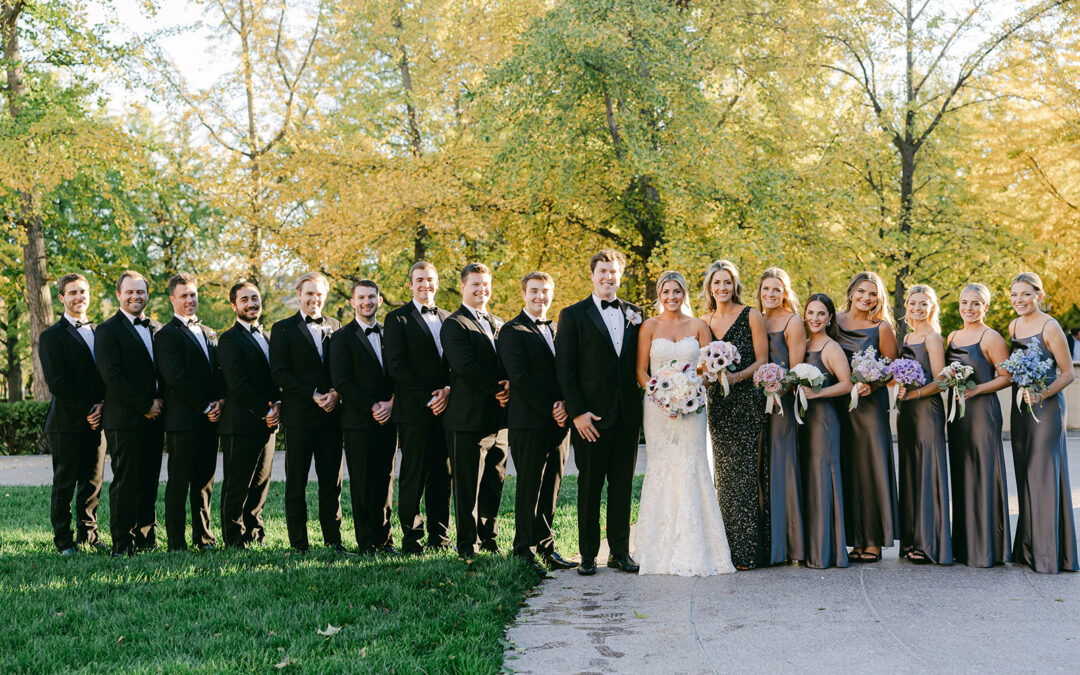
[(828, 323)]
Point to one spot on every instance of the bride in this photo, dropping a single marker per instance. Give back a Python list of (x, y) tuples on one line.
[(679, 528)]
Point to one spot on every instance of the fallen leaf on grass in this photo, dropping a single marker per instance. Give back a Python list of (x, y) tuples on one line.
[(330, 630), (119, 639), (639, 615), (363, 652), (282, 663)]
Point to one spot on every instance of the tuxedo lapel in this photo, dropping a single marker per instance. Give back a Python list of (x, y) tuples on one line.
[(182, 327), (531, 326), (307, 333), (74, 332), (423, 324), (594, 314), (251, 338), (130, 327), (363, 338)]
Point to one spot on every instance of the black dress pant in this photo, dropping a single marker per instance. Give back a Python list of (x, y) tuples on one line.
[(478, 463), (611, 458), (192, 461), (424, 473), (539, 458), (324, 446), (246, 464), (136, 466), (370, 457), (78, 459)]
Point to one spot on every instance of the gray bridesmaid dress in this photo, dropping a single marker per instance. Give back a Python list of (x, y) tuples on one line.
[(866, 457), (1045, 532), (924, 473), (980, 515), (785, 492), (822, 485)]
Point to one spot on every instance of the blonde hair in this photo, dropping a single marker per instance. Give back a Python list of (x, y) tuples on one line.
[(681, 281), (980, 290), (790, 302), (718, 266), (1029, 278), (934, 318), (879, 312), (313, 277)]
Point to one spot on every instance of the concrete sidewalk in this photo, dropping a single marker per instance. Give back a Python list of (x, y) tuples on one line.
[(891, 616)]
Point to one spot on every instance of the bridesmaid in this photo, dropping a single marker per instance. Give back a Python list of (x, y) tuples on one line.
[(1045, 534), (980, 514), (866, 458), (819, 440), (920, 431), (737, 421), (787, 347)]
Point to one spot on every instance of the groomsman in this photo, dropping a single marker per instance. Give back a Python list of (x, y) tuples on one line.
[(73, 423), (537, 419), (249, 420), (413, 354), (299, 361), (186, 355), (358, 372), (475, 415), (124, 351), (595, 353)]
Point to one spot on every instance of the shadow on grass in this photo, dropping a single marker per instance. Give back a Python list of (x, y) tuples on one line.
[(228, 610)]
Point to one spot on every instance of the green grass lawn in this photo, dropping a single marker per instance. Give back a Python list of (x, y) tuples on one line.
[(257, 610)]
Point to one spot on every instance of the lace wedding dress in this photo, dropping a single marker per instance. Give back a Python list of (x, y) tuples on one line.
[(679, 528)]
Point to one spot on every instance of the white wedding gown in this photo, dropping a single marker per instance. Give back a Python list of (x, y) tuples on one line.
[(679, 528)]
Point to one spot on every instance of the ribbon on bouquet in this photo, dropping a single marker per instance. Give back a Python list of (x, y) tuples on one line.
[(773, 401), (1020, 391), (724, 382), (854, 397), (894, 395), (956, 401), (800, 402)]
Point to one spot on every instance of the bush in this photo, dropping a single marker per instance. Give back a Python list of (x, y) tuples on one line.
[(22, 427)]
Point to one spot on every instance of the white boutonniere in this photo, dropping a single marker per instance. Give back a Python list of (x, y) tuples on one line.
[(211, 336), (632, 317), (327, 331)]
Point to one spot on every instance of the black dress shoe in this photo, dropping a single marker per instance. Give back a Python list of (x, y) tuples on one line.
[(624, 562), (70, 550), (557, 562), (338, 548), (387, 549), (587, 568), (532, 562), (98, 546), (122, 553), (207, 547), (490, 546)]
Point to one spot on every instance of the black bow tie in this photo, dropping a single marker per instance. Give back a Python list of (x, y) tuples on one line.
[(80, 324), (142, 322), (429, 310), (604, 304), (256, 328), (543, 322), (193, 322), (483, 316), (374, 329), (314, 319)]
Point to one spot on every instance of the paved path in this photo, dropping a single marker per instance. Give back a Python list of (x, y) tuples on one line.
[(891, 616)]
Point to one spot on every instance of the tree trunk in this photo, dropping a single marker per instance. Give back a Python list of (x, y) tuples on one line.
[(13, 372)]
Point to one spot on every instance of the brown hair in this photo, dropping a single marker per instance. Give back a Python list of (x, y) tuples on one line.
[(131, 274), (421, 265), (474, 268), (237, 286), (790, 301), (182, 278), (363, 283), (62, 282), (831, 327), (881, 311), (536, 276), (607, 255), (706, 294)]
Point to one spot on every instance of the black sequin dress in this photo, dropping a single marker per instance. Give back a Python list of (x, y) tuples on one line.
[(736, 431)]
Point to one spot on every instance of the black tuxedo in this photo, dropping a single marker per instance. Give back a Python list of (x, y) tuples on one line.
[(473, 422), (595, 378), (539, 445), (78, 455), (247, 444), (414, 362), (310, 432), (191, 380), (134, 442), (362, 380)]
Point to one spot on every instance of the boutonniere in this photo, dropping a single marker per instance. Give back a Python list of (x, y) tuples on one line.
[(327, 331), (632, 317), (211, 335)]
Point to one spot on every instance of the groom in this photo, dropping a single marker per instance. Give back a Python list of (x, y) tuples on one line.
[(596, 348)]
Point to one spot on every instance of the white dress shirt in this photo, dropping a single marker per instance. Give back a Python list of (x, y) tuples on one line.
[(144, 333), (434, 324), (259, 339), (316, 330), (485, 324), (615, 322), (200, 337), (85, 332), (544, 330), (374, 339)]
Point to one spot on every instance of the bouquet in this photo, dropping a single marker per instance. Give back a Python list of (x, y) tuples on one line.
[(867, 368), (677, 389), (800, 376), (957, 377), (906, 372), (716, 359), (770, 379), (1028, 373)]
